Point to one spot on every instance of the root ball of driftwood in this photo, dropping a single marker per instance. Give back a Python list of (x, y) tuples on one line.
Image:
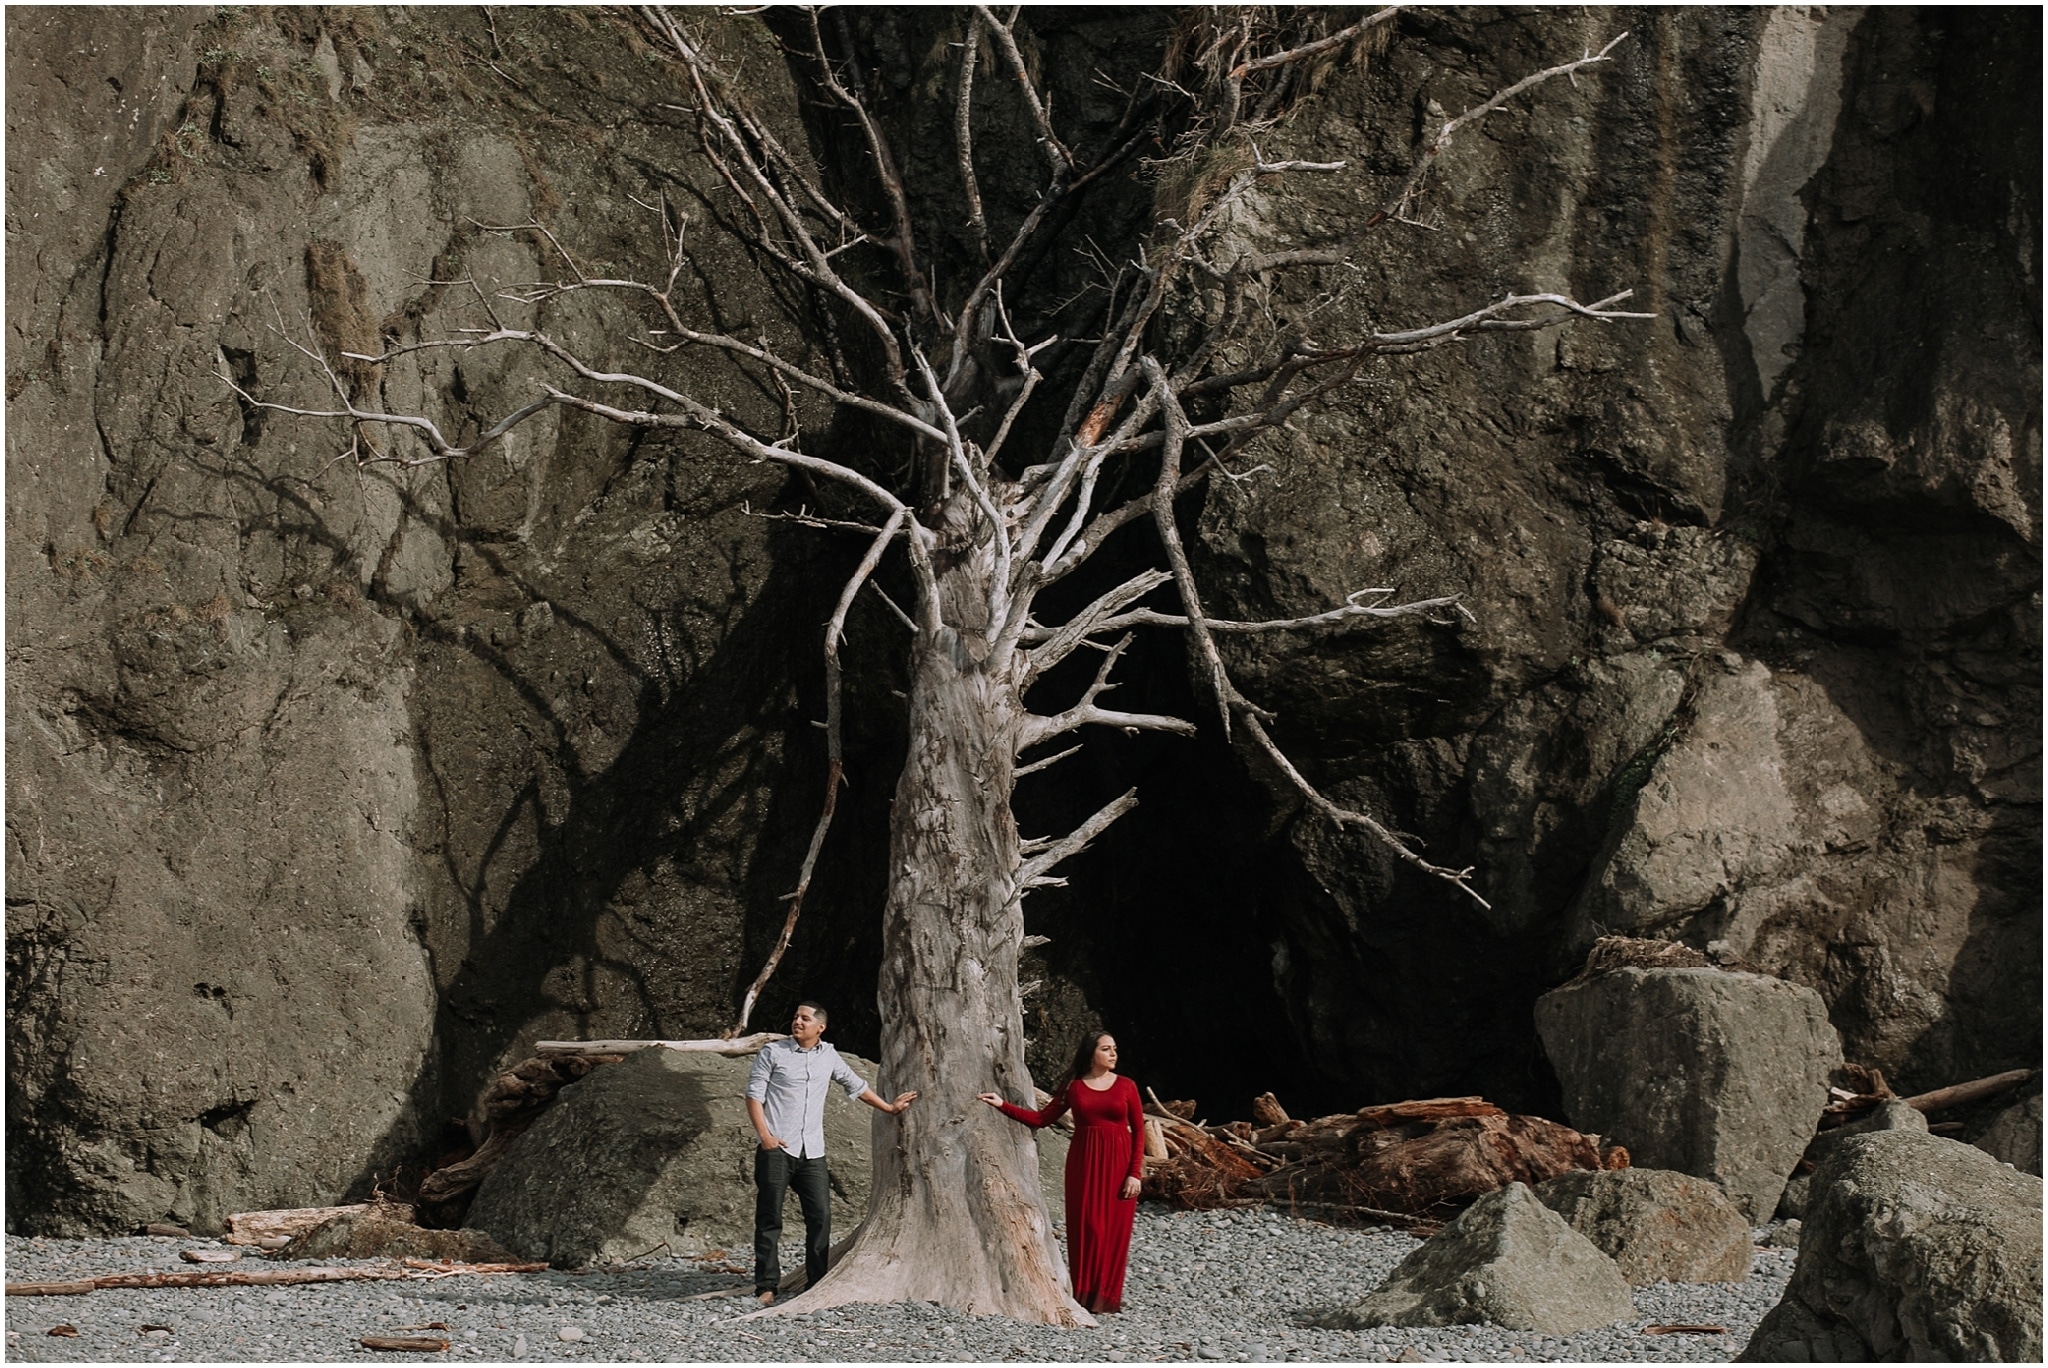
[(513, 1101), (373, 1234), (1413, 1163)]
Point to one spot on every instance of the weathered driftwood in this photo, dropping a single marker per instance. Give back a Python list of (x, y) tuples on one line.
[(1267, 1111), (1201, 1169), (1629, 952), (411, 1344), (739, 1045), (204, 1256), (513, 1101), (410, 1269), (259, 1227), (1410, 1163), (1941, 1099), (1155, 1140), (1868, 1088)]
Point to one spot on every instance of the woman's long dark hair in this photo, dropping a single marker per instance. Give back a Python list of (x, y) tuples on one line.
[(1084, 1058)]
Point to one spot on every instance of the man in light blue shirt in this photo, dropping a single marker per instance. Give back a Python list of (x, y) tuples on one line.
[(786, 1102)]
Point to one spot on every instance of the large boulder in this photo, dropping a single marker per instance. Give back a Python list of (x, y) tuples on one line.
[(1656, 1225), (1888, 1115), (657, 1151), (1507, 1259), (1720, 1075), (1915, 1247), (2014, 1136)]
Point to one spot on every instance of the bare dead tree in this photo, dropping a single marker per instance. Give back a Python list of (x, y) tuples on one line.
[(956, 1215)]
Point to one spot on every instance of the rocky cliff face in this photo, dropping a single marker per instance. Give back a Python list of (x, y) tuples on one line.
[(330, 790)]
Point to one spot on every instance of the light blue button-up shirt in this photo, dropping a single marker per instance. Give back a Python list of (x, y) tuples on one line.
[(791, 1083)]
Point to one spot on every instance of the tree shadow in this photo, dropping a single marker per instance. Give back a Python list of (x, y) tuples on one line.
[(714, 746)]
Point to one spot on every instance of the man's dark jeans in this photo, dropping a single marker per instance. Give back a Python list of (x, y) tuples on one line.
[(775, 1173)]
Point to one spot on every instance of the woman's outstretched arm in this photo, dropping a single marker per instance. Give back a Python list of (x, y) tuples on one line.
[(1034, 1119)]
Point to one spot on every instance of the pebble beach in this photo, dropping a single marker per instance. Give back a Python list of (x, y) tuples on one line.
[(1241, 1286)]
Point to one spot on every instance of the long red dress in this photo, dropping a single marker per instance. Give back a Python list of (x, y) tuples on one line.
[(1109, 1146)]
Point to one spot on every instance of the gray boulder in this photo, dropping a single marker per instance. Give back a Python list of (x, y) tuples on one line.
[(1656, 1225), (1890, 1115), (1508, 1259), (656, 1151), (1719, 1075), (1916, 1247), (2014, 1136)]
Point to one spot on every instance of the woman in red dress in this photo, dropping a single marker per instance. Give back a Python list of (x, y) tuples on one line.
[(1104, 1165)]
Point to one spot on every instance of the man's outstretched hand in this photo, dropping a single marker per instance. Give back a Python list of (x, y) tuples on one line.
[(893, 1108)]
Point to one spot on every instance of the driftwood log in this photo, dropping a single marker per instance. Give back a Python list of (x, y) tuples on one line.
[(1406, 1163), (1941, 1099), (410, 1270), (409, 1344), (271, 1229), (1866, 1088), (739, 1045)]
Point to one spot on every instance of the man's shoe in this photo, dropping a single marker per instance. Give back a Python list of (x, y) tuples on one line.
[(766, 1298)]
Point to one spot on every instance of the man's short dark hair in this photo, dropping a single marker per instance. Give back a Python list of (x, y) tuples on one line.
[(817, 1010)]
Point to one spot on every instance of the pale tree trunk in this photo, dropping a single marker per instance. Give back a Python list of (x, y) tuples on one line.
[(955, 1215)]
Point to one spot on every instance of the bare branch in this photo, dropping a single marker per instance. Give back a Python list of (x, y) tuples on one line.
[(1395, 207), (999, 587), (835, 629), (1085, 713), (443, 449), (709, 419), (738, 133), (963, 137), (1204, 645), (1037, 765), (1059, 642), (1031, 375), (803, 517), (1346, 817), (901, 616), (1055, 151), (1073, 843), (1277, 405), (904, 242), (1321, 45), (1351, 612), (1488, 319), (686, 337)]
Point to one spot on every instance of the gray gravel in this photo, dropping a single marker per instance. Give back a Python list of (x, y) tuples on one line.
[(1229, 1286)]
